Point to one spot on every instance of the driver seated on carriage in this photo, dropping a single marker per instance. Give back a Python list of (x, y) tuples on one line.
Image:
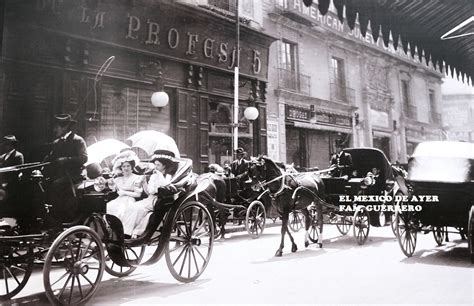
[(240, 167), (66, 161), (341, 162)]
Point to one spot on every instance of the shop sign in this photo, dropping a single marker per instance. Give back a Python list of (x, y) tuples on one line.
[(310, 115), (158, 29)]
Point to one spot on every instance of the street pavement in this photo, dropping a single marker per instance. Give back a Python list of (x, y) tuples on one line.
[(244, 271)]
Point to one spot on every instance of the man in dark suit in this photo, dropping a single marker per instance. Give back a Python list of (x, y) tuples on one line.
[(12, 156), (239, 166), (67, 158), (341, 161)]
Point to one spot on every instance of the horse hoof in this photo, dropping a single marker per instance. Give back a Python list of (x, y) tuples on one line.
[(278, 253), (306, 244), (294, 248), (320, 245)]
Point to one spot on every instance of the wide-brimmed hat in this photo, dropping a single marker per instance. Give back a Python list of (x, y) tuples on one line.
[(125, 156), (239, 150), (64, 119), (164, 154), (9, 139)]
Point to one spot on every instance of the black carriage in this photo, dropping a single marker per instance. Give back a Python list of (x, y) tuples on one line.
[(363, 193), (179, 227), (441, 174), (71, 254), (235, 199)]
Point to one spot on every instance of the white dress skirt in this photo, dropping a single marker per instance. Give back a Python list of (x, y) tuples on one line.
[(123, 206), (144, 208)]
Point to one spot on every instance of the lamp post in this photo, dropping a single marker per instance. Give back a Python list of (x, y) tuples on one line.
[(235, 142)]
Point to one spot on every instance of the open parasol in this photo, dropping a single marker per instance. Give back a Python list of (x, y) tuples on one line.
[(103, 149), (150, 141)]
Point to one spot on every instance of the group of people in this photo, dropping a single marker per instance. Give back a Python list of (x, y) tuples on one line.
[(131, 207), (64, 166)]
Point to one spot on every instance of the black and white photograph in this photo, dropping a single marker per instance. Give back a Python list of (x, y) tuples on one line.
[(277, 152)]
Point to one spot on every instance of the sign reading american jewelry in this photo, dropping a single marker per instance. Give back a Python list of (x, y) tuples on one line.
[(299, 113), (155, 28)]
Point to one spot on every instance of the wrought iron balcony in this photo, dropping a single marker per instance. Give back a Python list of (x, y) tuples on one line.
[(294, 81), (341, 93)]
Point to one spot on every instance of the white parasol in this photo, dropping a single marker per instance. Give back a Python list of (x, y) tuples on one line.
[(99, 151), (150, 141)]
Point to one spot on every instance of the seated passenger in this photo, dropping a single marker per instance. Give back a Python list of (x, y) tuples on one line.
[(129, 187), (165, 167)]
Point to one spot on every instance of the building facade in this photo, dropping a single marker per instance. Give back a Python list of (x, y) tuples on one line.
[(53, 56), (458, 116), (328, 82)]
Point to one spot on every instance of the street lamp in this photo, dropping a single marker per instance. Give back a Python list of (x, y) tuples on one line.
[(251, 113), (159, 98)]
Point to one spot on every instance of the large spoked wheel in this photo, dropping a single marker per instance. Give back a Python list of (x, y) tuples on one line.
[(133, 255), (470, 233), (255, 219), (296, 221), (189, 247), (343, 224), (396, 204), (313, 234), (406, 230), (439, 234), (73, 267), (16, 264), (361, 225)]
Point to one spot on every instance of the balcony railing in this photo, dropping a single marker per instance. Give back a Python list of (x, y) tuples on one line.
[(294, 81), (341, 93), (410, 111)]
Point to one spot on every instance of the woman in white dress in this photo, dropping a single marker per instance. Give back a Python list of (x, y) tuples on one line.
[(165, 167), (129, 188)]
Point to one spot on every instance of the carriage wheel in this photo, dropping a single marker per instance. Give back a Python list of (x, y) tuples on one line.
[(470, 233), (361, 225), (74, 266), (438, 234), (189, 247), (392, 215), (313, 229), (296, 221), (255, 219), (406, 232), (16, 264), (343, 225), (133, 255)]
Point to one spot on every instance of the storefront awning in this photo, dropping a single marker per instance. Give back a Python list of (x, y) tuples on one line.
[(440, 32)]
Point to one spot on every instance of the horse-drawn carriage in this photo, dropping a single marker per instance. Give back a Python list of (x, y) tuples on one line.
[(364, 194), (75, 255), (72, 254), (441, 174), (236, 200)]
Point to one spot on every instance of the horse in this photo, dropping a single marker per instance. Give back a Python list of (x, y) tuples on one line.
[(289, 191)]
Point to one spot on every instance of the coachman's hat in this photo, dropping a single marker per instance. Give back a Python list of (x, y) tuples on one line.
[(10, 139), (239, 150), (64, 119)]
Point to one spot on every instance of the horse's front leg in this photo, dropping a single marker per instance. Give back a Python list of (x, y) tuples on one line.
[(284, 229), (294, 247), (307, 224), (319, 210)]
